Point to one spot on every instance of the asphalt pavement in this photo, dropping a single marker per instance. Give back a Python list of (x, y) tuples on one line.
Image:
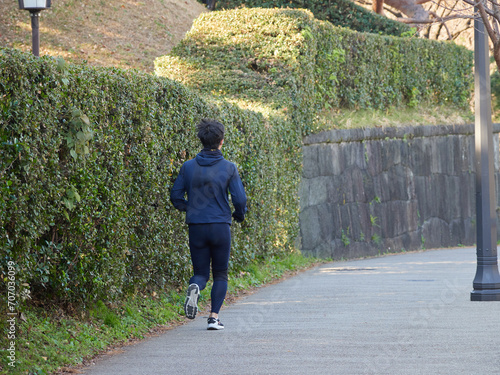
[(399, 314)]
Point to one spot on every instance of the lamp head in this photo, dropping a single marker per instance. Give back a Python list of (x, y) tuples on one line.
[(34, 4)]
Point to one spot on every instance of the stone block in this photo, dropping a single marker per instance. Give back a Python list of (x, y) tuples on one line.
[(304, 193), (310, 165), (412, 216), (358, 250), (373, 157), (310, 229), (470, 231), (364, 221), (457, 229), (324, 250), (346, 192), (452, 198), (355, 227), (421, 157), (329, 160), (467, 192), (357, 155), (334, 190), (436, 233), (358, 185), (317, 190), (345, 217), (326, 222), (465, 159), (390, 153), (337, 220)]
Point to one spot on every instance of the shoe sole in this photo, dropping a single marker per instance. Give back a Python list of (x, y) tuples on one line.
[(191, 303), (214, 327)]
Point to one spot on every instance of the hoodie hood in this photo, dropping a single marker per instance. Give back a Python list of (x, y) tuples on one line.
[(208, 158)]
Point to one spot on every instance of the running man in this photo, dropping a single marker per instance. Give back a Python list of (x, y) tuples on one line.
[(207, 179)]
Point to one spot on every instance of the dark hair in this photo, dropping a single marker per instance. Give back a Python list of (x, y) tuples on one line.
[(210, 132)]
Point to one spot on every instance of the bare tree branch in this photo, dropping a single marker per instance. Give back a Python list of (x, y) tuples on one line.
[(435, 20), (443, 5), (393, 12), (465, 28), (487, 25)]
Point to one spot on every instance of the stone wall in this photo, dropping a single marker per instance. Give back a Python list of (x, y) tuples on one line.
[(369, 191)]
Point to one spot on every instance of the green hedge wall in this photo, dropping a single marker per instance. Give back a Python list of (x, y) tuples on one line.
[(361, 70), (88, 155), (339, 12), (257, 58), (87, 159), (288, 61)]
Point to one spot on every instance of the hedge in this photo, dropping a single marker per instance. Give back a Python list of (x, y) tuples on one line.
[(339, 12), (87, 159), (288, 61), (88, 155)]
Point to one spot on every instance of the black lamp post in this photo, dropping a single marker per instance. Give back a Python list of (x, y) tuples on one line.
[(35, 7), (486, 283)]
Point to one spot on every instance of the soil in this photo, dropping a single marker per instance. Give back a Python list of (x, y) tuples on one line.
[(118, 33)]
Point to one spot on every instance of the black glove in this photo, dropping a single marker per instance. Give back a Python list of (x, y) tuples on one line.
[(238, 218)]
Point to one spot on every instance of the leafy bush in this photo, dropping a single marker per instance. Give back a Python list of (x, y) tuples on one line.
[(339, 12), (289, 62), (361, 70), (87, 159)]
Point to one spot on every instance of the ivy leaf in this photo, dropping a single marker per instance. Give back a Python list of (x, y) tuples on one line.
[(75, 113), (85, 119), (61, 64)]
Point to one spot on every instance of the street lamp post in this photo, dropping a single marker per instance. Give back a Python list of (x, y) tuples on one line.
[(486, 283), (35, 7)]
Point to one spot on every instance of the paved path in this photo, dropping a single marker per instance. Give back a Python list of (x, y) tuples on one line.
[(399, 314)]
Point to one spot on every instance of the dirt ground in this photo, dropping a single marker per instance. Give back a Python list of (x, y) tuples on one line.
[(120, 33)]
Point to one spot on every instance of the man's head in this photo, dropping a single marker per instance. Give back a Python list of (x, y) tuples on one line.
[(211, 133)]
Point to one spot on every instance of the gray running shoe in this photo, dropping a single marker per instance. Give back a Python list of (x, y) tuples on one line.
[(191, 303)]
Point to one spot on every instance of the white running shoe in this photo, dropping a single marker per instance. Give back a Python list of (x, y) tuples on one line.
[(214, 324), (191, 303)]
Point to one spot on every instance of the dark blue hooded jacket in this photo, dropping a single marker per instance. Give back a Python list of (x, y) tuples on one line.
[(207, 179)]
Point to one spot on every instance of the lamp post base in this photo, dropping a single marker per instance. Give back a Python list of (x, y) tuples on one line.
[(486, 285), (485, 295)]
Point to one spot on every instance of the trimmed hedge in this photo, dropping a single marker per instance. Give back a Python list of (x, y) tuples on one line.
[(286, 60), (88, 155), (361, 70), (339, 12), (87, 159), (257, 58)]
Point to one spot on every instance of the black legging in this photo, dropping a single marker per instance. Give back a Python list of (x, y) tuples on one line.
[(210, 242)]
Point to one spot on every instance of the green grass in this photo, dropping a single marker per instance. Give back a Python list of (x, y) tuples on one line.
[(50, 339), (424, 114)]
